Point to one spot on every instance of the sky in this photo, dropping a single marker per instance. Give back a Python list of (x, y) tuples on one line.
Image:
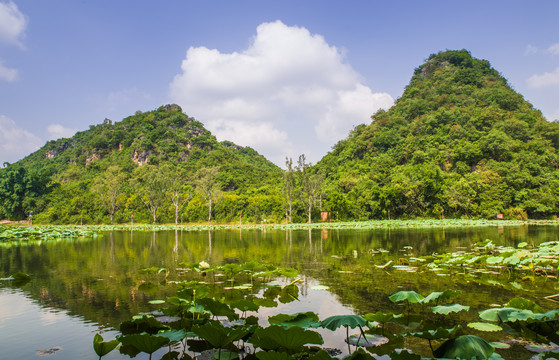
[(285, 77)]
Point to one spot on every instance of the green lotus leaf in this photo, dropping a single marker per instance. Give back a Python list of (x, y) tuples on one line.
[(287, 272), (272, 355), (465, 347), (276, 337), (380, 317), (144, 342), (481, 326), (508, 315), (288, 294), (145, 323), (437, 334), (245, 305), (369, 340), (320, 287), (447, 309), (494, 260), (359, 354), (522, 245), (499, 345), (195, 291), (217, 308), (404, 355), (218, 335), (303, 320), (265, 302), (410, 296), (440, 296), (173, 335), (101, 347), (156, 302), (334, 322), (524, 304), (20, 276)]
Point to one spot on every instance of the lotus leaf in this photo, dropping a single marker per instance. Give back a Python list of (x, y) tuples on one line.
[(303, 320), (218, 335), (440, 296), (276, 337), (173, 335), (409, 296), (437, 334), (360, 354), (334, 322), (524, 304), (481, 326), (381, 317), (217, 308), (465, 347), (499, 345), (144, 342), (101, 347), (265, 302), (447, 309), (245, 305), (272, 355), (369, 340)]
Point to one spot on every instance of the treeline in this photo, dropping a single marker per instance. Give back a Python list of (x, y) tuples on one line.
[(458, 143)]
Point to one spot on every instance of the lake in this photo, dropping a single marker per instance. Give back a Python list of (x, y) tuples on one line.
[(84, 286)]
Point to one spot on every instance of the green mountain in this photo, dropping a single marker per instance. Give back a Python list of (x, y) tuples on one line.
[(66, 181), (458, 142)]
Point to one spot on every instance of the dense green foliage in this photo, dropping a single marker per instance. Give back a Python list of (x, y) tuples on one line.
[(143, 165), (458, 143)]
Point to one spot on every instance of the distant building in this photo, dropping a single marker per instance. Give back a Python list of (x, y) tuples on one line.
[(107, 121)]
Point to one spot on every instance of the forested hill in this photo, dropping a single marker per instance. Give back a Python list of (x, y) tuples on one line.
[(459, 142), (67, 180)]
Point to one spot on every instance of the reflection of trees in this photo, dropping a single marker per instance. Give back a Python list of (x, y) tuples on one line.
[(99, 279)]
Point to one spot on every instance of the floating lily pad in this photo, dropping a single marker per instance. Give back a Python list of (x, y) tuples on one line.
[(481, 326), (319, 287), (156, 302), (447, 309), (500, 345), (370, 340)]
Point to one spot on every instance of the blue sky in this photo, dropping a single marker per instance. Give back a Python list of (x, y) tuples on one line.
[(285, 77)]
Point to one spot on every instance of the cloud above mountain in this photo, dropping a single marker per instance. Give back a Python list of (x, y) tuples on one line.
[(289, 92)]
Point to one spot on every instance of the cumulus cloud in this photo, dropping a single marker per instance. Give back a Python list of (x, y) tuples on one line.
[(7, 74), (530, 50), (15, 142), (288, 93), (57, 131), (546, 79), (553, 49), (12, 24)]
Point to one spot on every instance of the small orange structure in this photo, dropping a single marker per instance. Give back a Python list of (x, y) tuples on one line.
[(499, 216), (325, 216)]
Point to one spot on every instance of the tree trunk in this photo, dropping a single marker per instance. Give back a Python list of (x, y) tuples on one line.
[(154, 216), (210, 213), (176, 214), (290, 212), (310, 209), (112, 214)]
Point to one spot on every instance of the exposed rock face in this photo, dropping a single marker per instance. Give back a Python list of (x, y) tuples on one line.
[(171, 107), (91, 158), (141, 157), (54, 152)]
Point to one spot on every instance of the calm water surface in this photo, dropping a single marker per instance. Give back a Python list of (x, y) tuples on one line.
[(82, 287)]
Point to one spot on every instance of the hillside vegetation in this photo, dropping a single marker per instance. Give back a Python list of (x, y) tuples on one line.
[(458, 143), (146, 159)]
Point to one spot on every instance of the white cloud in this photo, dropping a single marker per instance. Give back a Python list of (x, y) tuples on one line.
[(530, 50), (7, 73), (12, 24), (57, 131), (15, 142), (553, 49), (546, 79), (288, 93)]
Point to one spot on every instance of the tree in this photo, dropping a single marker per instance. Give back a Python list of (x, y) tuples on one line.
[(153, 186), (178, 191), (108, 187), (311, 185), (289, 185), (20, 190), (207, 186)]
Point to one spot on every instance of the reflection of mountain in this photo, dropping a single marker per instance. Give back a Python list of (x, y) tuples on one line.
[(98, 279)]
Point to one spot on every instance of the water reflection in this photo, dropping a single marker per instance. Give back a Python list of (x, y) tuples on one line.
[(97, 280)]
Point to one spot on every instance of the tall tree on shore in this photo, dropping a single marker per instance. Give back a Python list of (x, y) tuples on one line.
[(289, 186), (108, 187), (311, 185), (178, 190), (208, 187), (153, 184)]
